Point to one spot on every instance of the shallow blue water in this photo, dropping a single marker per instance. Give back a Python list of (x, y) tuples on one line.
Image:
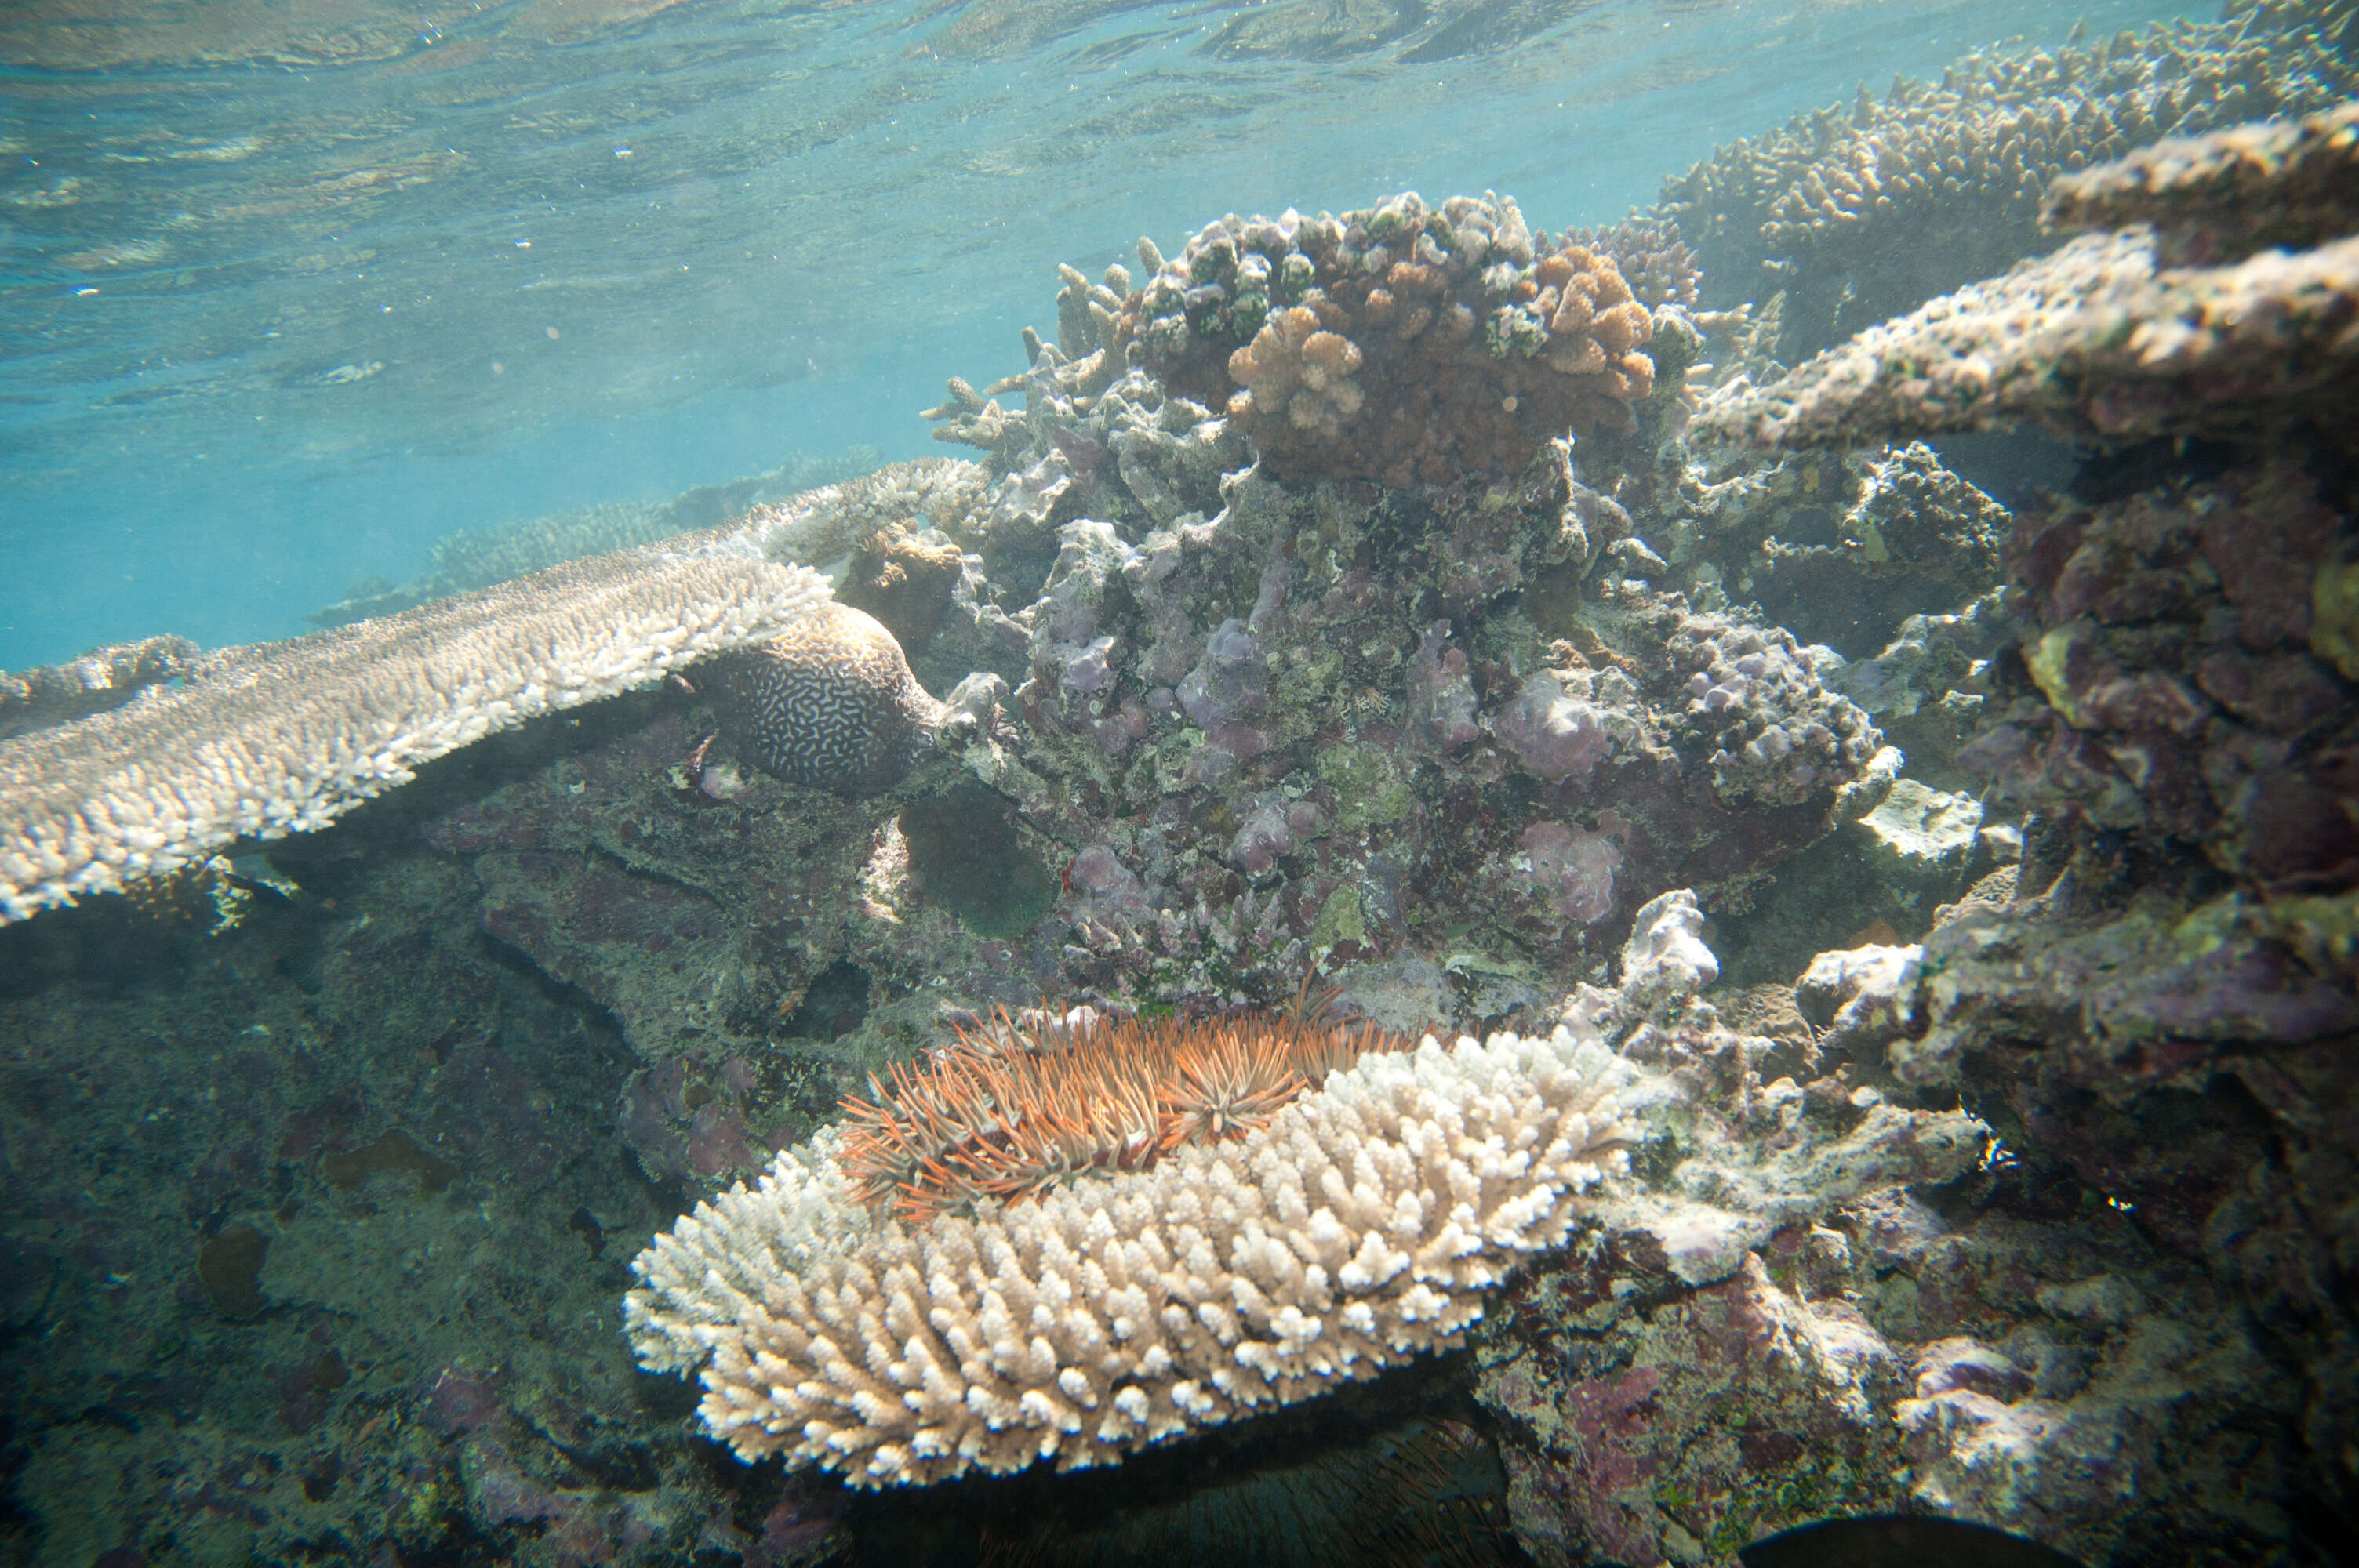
[(270, 324)]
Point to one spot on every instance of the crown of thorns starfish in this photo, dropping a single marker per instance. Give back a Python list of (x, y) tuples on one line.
[(1007, 1113)]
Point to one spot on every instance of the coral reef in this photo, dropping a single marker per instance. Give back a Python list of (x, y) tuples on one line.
[(1986, 1109), (103, 677), (1402, 343), (2175, 675), (2111, 338), (2278, 184), (1865, 213), (2152, 1006), (1961, 1351), (259, 1337), (1659, 267), (1841, 551), (1124, 1311)]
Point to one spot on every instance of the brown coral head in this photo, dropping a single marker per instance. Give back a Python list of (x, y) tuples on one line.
[(1011, 1110), (1404, 345)]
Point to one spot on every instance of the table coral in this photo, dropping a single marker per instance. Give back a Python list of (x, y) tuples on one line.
[(282, 738), (2276, 183), (1865, 212), (101, 678), (1112, 1314), (2091, 342)]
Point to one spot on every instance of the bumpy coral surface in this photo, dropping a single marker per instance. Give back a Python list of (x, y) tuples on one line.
[(1865, 213), (2093, 341), (1361, 1227), (1403, 343), (2274, 183), (830, 703)]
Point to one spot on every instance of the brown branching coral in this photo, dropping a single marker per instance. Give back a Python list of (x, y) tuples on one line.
[(1298, 371), (1660, 266), (1403, 344), (1005, 1114)]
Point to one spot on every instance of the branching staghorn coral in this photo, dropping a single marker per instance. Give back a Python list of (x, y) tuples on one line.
[(1358, 1228)]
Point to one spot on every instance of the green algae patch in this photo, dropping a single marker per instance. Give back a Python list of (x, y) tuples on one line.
[(2049, 661), (1367, 793), (2335, 616), (1343, 918)]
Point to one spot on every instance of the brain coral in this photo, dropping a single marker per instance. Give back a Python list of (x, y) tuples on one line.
[(830, 704), (1360, 1226), (1404, 344)]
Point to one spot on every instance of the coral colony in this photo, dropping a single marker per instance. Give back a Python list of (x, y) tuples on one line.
[(1842, 960)]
